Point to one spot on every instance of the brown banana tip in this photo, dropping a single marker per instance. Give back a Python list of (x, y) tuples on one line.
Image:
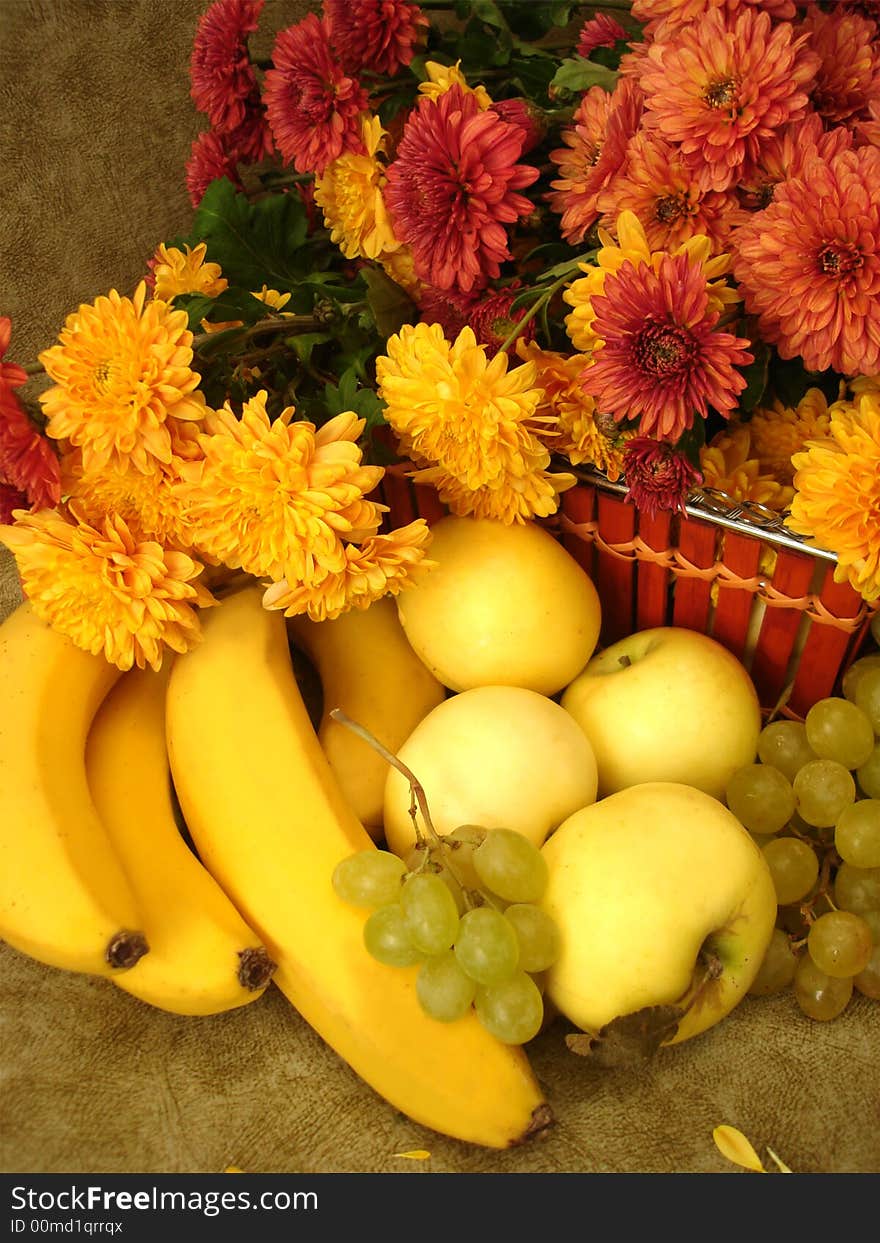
[(255, 969), (541, 1119), (125, 949)]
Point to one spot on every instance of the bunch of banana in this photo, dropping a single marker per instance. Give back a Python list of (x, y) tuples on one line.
[(94, 874), (270, 823)]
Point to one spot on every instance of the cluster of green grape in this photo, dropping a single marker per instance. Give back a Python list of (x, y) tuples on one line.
[(463, 906), (812, 802)]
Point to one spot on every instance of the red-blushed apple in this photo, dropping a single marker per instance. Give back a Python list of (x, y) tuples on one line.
[(504, 605), (666, 704), (656, 890)]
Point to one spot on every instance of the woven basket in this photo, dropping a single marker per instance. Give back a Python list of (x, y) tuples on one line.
[(732, 571)]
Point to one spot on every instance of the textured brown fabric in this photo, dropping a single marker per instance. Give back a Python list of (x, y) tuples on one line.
[(96, 128)]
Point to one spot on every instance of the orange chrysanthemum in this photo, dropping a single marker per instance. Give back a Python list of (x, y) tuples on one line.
[(837, 494), (566, 417), (730, 464), (276, 497), (110, 593), (786, 155), (664, 191), (466, 422), (121, 370), (673, 13), (595, 150), (809, 265), (185, 271), (382, 565), (350, 194), (719, 88), (848, 80), (779, 431)]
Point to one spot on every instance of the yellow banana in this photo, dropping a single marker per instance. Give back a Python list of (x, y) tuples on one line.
[(270, 823), (203, 956), (64, 897), (368, 669)]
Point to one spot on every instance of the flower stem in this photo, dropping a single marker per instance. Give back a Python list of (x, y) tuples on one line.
[(541, 301)]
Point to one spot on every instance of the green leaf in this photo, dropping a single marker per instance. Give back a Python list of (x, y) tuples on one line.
[(576, 74), (231, 304), (487, 11), (789, 380), (255, 243), (349, 395), (390, 305), (304, 342), (755, 374)]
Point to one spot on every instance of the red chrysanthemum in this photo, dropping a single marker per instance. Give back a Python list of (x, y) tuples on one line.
[(595, 150), (452, 189), (668, 197), (28, 462), (208, 160), (599, 31), (664, 15), (786, 154), (849, 74), (314, 107), (493, 320), (379, 35), (657, 475), (720, 88), (809, 264), (446, 307), (531, 119), (222, 76), (11, 374), (662, 361), (10, 499)]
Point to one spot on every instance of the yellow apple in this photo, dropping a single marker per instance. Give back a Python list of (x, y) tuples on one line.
[(497, 756), (666, 704), (640, 883), (506, 604)]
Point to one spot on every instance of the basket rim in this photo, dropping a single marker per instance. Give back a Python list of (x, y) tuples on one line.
[(710, 505)]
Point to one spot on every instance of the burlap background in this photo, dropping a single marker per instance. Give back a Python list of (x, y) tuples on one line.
[(96, 126)]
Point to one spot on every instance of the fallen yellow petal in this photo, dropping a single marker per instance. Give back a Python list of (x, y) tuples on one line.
[(417, 1154), (733, 1145), (783, 1168), (233, 1169)]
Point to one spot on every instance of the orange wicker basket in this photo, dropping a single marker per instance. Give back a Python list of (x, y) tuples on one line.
[(733, 571)]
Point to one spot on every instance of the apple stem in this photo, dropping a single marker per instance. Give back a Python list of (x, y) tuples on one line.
[(416, 790)]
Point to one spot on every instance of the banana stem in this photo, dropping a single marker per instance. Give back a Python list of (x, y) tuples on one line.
[(416, 789)]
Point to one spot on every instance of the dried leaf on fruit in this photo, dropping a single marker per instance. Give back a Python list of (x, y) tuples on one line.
[(629, 1039)]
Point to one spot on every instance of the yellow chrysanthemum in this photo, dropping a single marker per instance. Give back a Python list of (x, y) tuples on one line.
[(273, 299), (865, 384), (177, 271), (350, 196), (465, 421), (399, 265), (778, 431), (382, 565), (728, 466), (121, 370), (110, 593), (633, 246), (277, 498), (442, 77), (837, 494), (566, 415)]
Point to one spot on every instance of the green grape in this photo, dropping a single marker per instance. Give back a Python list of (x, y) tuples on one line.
[(512, 1010), (868, 979), (387, 937), (511, 866), (868, 774), (421, 859), (839, 730), (840, 944), (537, 935), (760, 797), (868, 697), (857, 834), (857, 889), (443, 989), (430, 912), (486, 946), (822, 790), (777, 968), (458, 849), (783, 744), (820, 996), (794, 867), (855, 673), (369, 878)]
